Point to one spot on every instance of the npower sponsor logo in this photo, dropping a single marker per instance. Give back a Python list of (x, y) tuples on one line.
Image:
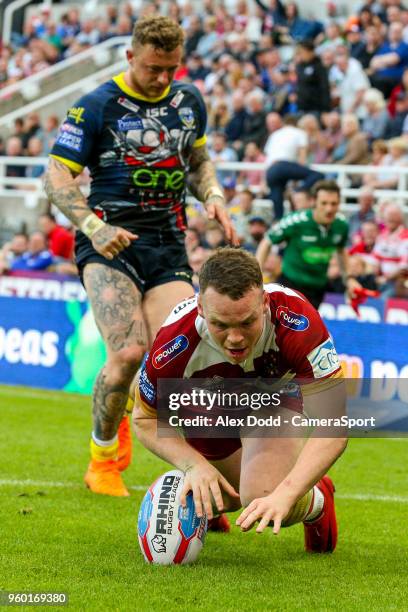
[(169, 351), (292, 320)]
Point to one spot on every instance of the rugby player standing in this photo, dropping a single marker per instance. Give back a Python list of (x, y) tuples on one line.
[(142, 136), (237, 328)]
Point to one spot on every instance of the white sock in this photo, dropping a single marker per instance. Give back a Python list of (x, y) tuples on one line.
[(316, 506), (103, 442)]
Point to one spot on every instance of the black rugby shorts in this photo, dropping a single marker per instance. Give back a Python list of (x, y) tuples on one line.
[(146, 262)]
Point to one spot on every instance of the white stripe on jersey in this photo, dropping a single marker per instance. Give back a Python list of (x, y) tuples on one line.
[(180, 310), (274, 287)]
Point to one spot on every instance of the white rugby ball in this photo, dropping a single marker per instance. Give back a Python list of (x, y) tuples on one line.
[(168, 533)]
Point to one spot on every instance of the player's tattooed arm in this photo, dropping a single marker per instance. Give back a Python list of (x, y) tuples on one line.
[(62, 191), (204, 185), (203, 177)]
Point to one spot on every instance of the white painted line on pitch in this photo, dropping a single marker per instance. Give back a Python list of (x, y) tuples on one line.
[(54, 484), (369, 497), (36, 483), (77, 485)]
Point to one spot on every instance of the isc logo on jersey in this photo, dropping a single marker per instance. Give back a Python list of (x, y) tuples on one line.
[(169, 351), (157, 112), (324, 359), (292, 320)]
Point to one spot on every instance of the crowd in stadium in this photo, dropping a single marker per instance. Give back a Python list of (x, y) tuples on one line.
[(280, 89)]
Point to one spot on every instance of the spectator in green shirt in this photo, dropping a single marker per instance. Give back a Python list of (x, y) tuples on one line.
[(311, 237)]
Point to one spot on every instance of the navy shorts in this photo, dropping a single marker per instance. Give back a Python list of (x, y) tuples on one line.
[(146, 262)]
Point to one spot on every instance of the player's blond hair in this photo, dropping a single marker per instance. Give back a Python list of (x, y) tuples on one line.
[(158, 31), (231, 272)]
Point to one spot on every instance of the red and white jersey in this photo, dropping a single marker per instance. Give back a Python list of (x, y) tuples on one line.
[(294, 342), (391, 250)]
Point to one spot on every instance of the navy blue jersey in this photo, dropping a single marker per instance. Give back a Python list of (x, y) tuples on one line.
[(137, 150)]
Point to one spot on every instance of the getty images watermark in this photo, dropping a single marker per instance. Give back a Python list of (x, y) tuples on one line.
[(207, 400), (231, 408)]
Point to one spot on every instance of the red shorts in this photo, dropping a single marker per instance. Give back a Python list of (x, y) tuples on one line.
[(215, 449)]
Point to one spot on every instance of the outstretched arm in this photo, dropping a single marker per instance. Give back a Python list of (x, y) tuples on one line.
[(317, 456), (204, 185)]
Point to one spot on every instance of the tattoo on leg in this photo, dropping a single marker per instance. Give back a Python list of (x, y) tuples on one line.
[(113, 296), (109, 403), (132, 335), (115, 301)]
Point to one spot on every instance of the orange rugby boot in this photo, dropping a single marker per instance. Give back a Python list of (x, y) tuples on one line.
[(125, 444), (321, 533), (104, 477)]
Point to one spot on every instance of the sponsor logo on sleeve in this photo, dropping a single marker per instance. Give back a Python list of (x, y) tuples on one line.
[(70, 140), (146, 387), (169, 351), (72, 129), (76, 112), (324, 359), (292, 320)]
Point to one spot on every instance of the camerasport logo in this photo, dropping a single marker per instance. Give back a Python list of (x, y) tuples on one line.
[(292, 320), (169, 351)]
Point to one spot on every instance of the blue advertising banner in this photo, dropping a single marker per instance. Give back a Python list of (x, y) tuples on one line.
[(49, 344), (55, 344), (375, 356), (371, 350)]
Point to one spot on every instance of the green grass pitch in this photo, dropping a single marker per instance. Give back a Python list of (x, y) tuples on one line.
[(56, 536)]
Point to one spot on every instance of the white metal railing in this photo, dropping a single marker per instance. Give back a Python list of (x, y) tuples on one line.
[(28, 190), (342, 172), (20, 161), (97, 52), (6, 120)]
